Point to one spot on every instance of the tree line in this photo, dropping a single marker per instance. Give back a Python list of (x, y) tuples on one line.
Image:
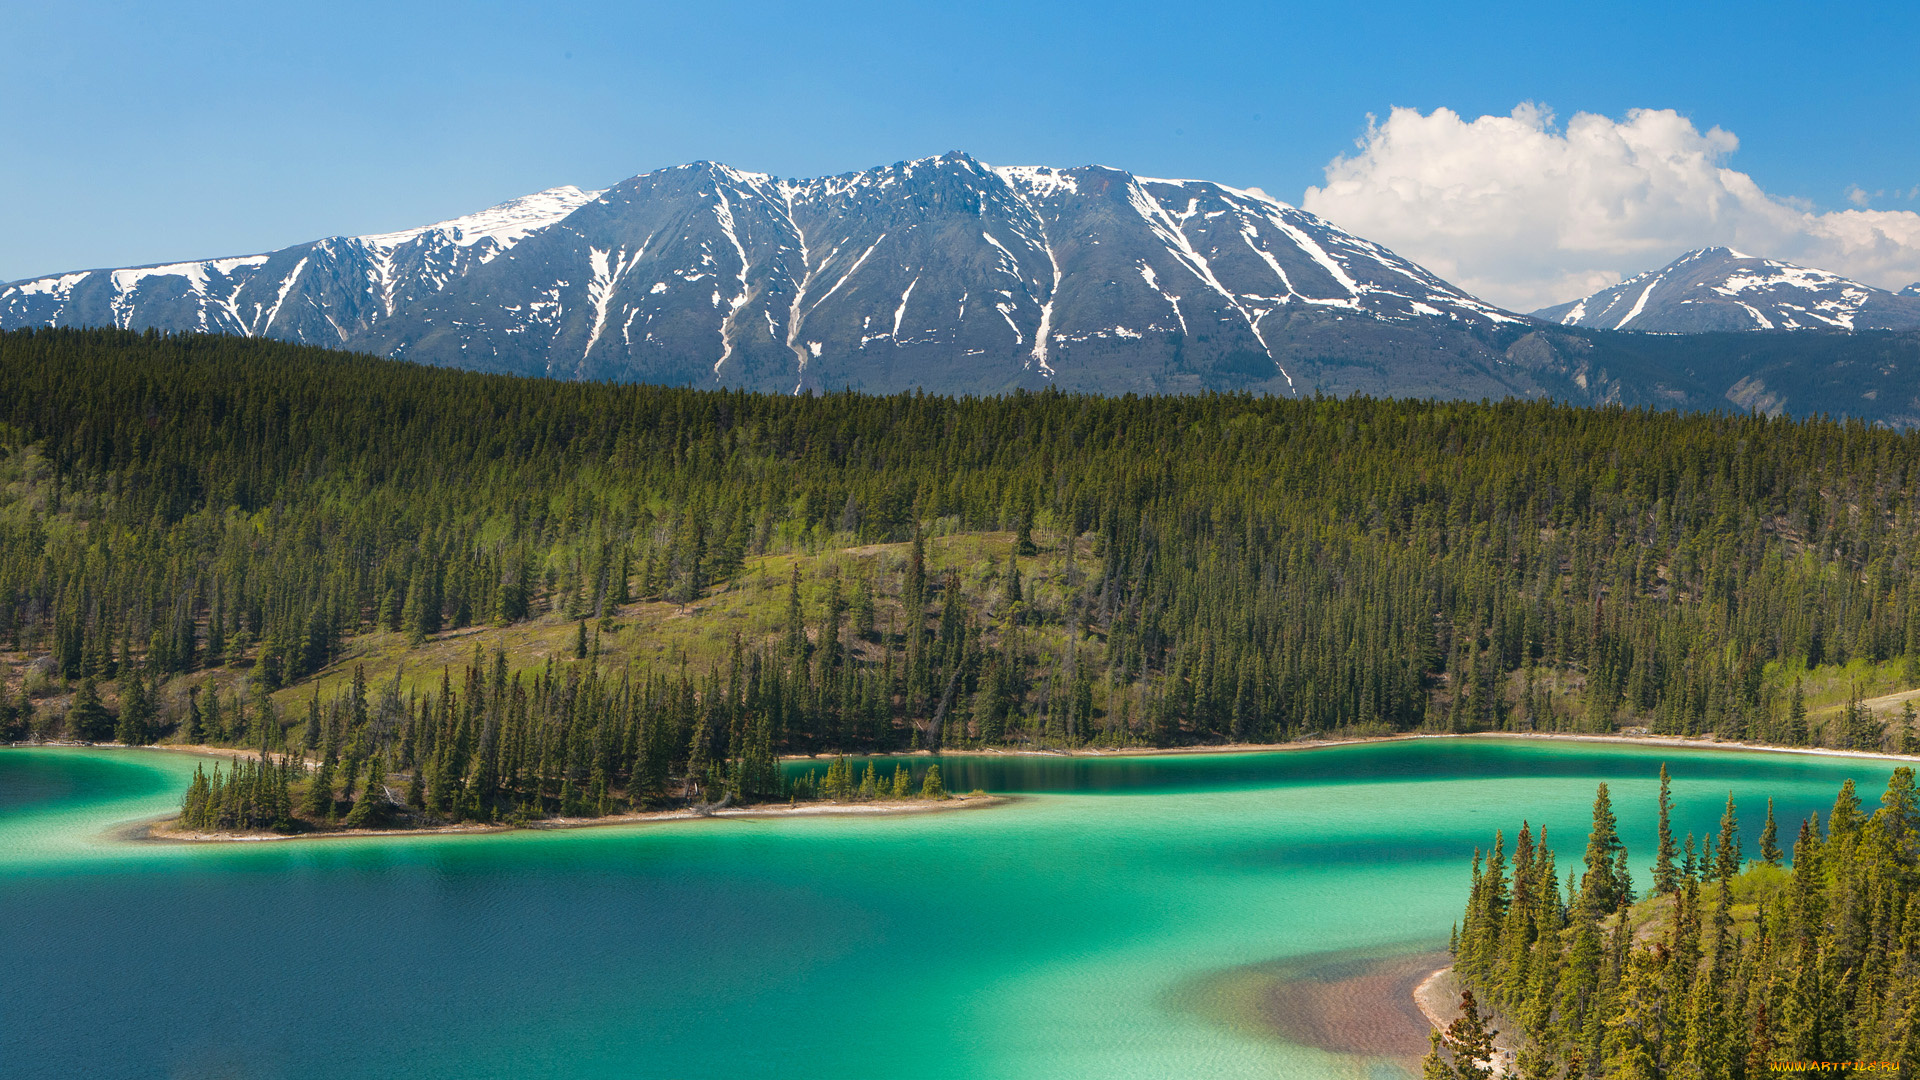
[(1225, 567)]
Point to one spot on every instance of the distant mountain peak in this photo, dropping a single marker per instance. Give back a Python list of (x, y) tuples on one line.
[(1718, 288), (943, 272), (505, 223)]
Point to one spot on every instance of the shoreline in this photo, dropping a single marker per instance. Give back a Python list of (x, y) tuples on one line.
[(231, 753), (1438, 998), (150, 830), (1676, 741), (154, 830)]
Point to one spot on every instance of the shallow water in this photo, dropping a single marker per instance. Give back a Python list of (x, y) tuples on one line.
[(1087, 929)]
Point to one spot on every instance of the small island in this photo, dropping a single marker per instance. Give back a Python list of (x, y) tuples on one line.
[(421, 782)]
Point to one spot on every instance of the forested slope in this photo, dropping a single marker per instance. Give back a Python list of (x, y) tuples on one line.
[(1730, 968), (911, 569)]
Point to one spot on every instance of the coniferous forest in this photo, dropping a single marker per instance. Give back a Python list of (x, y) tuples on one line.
[(198, 533), (1731, 967)]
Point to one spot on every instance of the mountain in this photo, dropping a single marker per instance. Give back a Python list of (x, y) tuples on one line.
[(325, 292), (943, 273), (1718, 288)]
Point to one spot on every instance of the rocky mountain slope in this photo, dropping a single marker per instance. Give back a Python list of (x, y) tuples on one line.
[(1721, 289), (944, 273), (954, 276)]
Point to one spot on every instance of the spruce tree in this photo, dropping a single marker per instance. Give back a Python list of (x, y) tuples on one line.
[(1600, 892), (1666, 877), (370, 807), (1471, 1041), (932, 787), (88, 720), (862, 608), (796, 628), (1770, 839), (136, 711), (1729, 857), (190, 728), (1797, 716)]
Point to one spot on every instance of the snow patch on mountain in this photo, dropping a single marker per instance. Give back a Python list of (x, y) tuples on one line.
[(1722, 289), (506, 224)]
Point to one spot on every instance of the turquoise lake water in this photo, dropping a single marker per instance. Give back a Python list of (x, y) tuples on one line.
[(1051, 937)]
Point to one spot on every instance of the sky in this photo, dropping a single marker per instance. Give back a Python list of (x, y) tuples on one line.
[(1529, 152)]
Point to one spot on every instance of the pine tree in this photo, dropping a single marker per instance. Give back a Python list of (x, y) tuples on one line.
[(369, 809), (796, 639), (87, 719), (1600, 892), (862, 609), (1770, 839), (1666, 878), (1470, 1041), (931, 787), (1729, 857), (1797, 716), (136, 711), (191, 731)]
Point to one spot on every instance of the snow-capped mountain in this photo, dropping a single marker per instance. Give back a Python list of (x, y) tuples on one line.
[(945, 273), (1720, 289), (325, 292)]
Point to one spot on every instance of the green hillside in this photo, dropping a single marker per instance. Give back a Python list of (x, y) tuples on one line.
[(204, 522)]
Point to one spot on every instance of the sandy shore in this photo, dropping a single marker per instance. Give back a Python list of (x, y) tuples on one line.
[(228, 753), (157, 831), (1357, 740), (1438, 999)]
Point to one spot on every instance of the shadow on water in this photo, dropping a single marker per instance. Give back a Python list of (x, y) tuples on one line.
[(33, 780), (1365, 763), (1355, 1003)]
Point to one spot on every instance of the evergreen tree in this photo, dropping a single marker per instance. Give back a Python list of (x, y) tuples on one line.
[(1797, 716), (1729, 847), (192, 730), (369, 809), (932, 787), (1666, 877), (135, 726), (87, 719), (1600, 890)]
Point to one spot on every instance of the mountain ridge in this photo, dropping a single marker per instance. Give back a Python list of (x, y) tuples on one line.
[(1717, 288), (954, 276), (943, 272)]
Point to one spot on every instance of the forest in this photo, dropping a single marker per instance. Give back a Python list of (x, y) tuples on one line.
[(1729, 968), (203, 539)]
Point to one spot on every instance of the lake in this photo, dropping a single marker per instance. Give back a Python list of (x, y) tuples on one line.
[(1218, 915)]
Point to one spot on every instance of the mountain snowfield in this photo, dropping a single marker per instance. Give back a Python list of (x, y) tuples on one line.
[(1717, 288), (323, 292), (944, 273)]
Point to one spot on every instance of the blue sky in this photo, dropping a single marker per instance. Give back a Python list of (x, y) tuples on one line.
[(144, 132)]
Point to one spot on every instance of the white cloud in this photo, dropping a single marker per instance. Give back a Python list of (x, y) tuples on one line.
[(1526, 215)]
